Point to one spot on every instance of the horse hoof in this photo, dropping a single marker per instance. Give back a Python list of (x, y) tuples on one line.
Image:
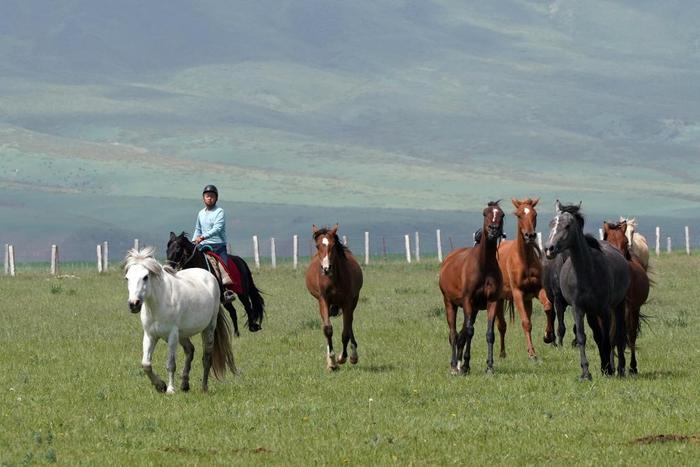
[(331, 369), (585, 377), (489, 371), (254, 327), (502, 354), (534, 359), (341, 360), (185, 386), (549, 338), (160, 386), (633, 371), (354, 359), (170, 390)]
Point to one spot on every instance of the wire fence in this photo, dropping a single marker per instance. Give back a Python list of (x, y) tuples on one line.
[(294, 250)]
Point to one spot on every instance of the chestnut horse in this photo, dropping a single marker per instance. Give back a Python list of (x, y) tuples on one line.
[(638, 291), (470, 278), (520, 261), (334, 278)]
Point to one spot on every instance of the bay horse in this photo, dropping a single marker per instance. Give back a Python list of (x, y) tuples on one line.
[(183, 254), (594, 279), (637, 242), (175, 306), (520, 261), (470, 278), (334, 278), (638, 292)]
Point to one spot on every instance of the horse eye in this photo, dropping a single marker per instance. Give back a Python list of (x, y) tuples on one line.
[(145, 278)]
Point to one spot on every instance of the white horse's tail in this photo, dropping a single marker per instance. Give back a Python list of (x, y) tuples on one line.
[(222, 355)]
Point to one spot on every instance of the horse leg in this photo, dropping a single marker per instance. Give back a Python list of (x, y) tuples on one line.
[(502, 327), (348, 336), (490, 335), (234, 317), (620, 338), (173, 340), (632, 323), (467, 333), (581, 341), (149, 344), (451, 316), (331, 364), (559, 308), (187, 346), (549, 314), (601, 326), (524, 308), (208, 345)]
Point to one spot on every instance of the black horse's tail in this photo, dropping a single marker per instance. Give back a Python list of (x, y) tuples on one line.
[(256, 310)]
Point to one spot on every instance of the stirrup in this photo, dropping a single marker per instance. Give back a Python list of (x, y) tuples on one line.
[(229, 296)]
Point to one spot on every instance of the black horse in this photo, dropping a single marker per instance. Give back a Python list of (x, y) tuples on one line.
[(594, 279), (182, 254)]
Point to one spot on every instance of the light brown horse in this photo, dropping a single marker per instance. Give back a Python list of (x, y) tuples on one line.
[(638, 291), (470, 278), (334, 278), (520, 261)]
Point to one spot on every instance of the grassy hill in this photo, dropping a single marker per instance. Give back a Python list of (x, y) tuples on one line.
[(343, 112)]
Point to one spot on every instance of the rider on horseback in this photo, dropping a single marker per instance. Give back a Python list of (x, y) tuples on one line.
[(210, 228)]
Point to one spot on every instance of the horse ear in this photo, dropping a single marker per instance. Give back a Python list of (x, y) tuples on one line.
[(314, 229), (172, 235), (623, 226), (557, 206), (534, 203), (334, 230), (515, 202)]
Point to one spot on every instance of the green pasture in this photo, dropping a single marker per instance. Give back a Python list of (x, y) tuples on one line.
[(73, 391)]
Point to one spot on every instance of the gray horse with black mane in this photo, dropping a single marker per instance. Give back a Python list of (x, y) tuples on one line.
[(593, 280)]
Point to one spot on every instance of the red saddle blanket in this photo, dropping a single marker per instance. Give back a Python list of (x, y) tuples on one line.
[(230, 276)]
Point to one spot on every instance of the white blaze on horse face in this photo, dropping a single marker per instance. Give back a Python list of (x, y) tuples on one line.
[(554, 229), (137, 283), (325, 261), (527, 210), (495, 211)]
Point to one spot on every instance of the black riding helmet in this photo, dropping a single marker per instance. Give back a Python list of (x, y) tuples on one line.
[(210, 189)]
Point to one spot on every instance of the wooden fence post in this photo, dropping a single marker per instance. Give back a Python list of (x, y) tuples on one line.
[(136, 244), (99, 258), (658, 241), (407, 240), (295, 248), (417, 248), (366, 248), (539, 239), (54, 260), (7, 259), (687, 240), (105, 256), (439, 245), (11, 254), (384, 246), (256, 251), (668, 244), (273, 253)]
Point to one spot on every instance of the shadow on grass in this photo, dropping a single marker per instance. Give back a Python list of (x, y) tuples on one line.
[(381, 368), (659, 375)]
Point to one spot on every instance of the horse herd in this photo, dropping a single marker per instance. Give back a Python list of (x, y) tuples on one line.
[(605, 281)]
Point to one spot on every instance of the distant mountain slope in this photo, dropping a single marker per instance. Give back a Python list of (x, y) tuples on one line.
[(422, 105)]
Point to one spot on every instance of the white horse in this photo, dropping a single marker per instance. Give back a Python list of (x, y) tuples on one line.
[(637, 242), (174, 307)]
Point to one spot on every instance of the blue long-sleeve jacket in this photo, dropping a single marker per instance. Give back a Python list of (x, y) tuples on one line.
[(212, 225)]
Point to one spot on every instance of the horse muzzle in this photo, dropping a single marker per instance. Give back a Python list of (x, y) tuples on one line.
[(530, 237), (135, 305), (495, 233), (550, 251), (326, 271)]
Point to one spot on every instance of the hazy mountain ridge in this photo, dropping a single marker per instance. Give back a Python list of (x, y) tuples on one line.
[(429, 105)]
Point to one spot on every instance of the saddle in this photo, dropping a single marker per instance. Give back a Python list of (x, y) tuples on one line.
[(228, 274)]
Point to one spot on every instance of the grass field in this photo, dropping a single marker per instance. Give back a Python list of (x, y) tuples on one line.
[(73, 391)]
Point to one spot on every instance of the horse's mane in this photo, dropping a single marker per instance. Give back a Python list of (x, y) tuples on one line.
[(574, 210), (146, 258), (338, 246), (592, 241), (494, 204), (631, 221)]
